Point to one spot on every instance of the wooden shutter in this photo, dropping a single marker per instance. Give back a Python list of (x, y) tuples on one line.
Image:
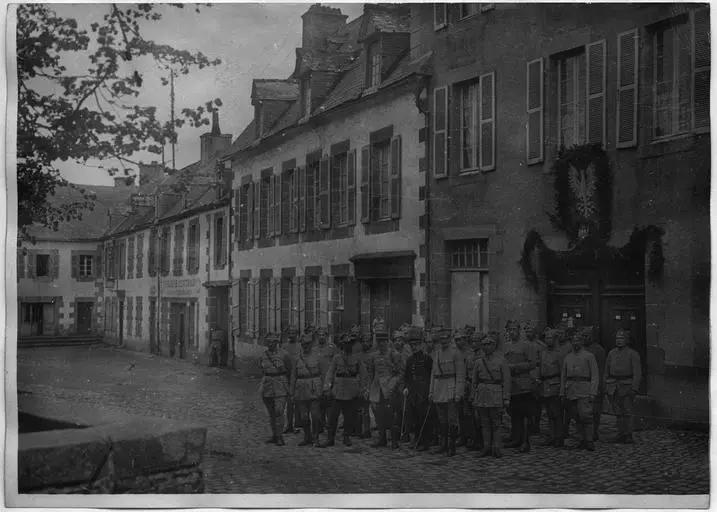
[(270, 212), (295, 315), (395, 177), (325, 193), (595, 82), (294, 212), (152, 257), (20, 264), (225, 242), (31, 261), (302, 197), (237, 220), (627, 76), (365, 184), (277, 204), (257, 209), (701, 68), (534, 107), (236, 311), (487, 122), (440, 127), (75, 262), (54, 264), (351, 189)]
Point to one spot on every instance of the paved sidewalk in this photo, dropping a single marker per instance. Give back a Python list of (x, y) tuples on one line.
[(237, 460)]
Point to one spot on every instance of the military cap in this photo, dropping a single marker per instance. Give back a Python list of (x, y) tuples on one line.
[(490, 337), (477, 336), (399, 333), (307, 337), (414, 333), (512, 324), (438, 333), (460, 334)]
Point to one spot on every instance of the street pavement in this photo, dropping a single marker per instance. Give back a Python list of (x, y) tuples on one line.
[(237, 461)]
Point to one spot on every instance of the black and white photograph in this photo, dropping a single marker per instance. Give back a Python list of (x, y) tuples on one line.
[(342, 255)]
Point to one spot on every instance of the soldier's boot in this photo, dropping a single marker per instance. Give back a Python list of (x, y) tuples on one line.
[(332, 437), (525, 445), (382, 441), (317, 442), (347, 439), (443, 440), (307, 435), (451, 441), (395, 435), (487, 442), (497, 452), (280, 440)]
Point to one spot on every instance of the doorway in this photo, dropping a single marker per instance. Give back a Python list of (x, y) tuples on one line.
[(390, 299), (121, 322), (178, 330), (84, 317), (469, 299), (37, 319)]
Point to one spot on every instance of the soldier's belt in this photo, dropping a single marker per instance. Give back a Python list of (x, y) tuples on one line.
[(579, 379), (445, 376)]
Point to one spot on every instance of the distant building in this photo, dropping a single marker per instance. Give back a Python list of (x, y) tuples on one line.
[(328, 186), (513, 84)]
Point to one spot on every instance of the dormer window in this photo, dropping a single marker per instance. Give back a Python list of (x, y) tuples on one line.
[(306, 96), (374, 63)]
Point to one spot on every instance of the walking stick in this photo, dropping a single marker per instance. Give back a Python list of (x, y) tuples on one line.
[(420, 434), (403, 416)]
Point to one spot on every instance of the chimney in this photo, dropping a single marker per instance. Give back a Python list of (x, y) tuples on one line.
[(319, 22), (214, 142), (150, 173)]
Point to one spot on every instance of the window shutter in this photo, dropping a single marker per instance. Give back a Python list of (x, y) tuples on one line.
[(487, 122), (152, 257), (237, 219), (251, 286), (295, 315), (294, 215), (250, 212), (396, 177), (225, 238), (596, 92), (31, 264), (701, 66), (324, 193), (277, 204), (440, 125), (97, 261), (351, 189), (627, 55), (365, 183), (75, 260), (270, 207), (20, 264), (257, 209), (54, 264), (302, 198), (534, 106)]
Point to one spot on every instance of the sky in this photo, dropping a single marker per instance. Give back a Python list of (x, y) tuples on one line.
[(252, 40)]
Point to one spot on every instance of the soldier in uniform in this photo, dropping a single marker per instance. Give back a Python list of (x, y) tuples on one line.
[(522, 362), (549, 367), (492, 380), (623, 373), (579, 382), (306, 388), (417, 379), (293, 348), (344, 380), (477, 347), (364, 423), (531, 336), (467, 434), (448, 383), (276, 368), (326, 351), (592, 346), (385, 372)]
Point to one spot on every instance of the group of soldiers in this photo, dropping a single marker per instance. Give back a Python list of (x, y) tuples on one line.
[(447, 388)]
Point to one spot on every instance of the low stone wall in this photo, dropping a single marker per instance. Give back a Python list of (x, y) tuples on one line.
[(114, 453)]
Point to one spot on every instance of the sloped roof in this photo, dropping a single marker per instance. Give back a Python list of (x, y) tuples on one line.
[(274, 89), (385, 19)]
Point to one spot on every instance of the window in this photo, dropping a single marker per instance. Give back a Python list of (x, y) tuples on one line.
[(178, 261), (289, 201), (469, 118), (380, 177), (470, 9), (374, 72), (469, 254), (534, 110), (339, 288), (140, 255), (312, 187), (130, 257), (681, 74), (572, 95), (122, 259), (85, 265), (138, 318), (164, 241), (152, 257), (581, 96), (312, 306), (287, 302), (476, 123), (440, 126), (243, 306), (265, 214), (264, 306), (219, 241), (245, 229), (440, 16), (42, 265), (339, 189), (193, 247)]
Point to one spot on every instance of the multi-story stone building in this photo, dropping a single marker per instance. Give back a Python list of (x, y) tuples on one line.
[(328, 188), (167, 260), (569, 177)]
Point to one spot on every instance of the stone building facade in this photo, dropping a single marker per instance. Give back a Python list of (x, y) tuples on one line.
[(328, 190), (518, 95)]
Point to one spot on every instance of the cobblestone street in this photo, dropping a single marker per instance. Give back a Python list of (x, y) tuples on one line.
[(237, 460)]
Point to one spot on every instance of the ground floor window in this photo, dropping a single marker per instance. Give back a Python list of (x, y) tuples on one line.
[(287, 302), (312, 305), (37, 318), (469, 282), (264, 295)]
